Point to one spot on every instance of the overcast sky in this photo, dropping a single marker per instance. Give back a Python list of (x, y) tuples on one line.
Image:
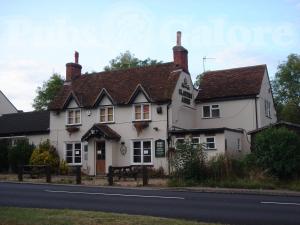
[(37, 38)]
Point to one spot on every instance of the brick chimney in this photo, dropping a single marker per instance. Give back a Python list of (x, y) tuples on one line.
[(180, 54), (73, 70)]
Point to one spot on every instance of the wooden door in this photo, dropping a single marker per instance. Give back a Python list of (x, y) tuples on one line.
[(100, 157)]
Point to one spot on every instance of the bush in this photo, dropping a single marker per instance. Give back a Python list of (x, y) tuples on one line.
[(4, 145), (277, 150), (63, 167), (19, 153), (45, 154), (189, 162)]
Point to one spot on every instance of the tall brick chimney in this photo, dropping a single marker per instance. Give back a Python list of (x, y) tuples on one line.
[(73, 70), (180, 54)]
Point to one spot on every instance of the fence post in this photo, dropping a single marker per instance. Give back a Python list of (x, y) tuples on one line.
[(78, 174), (145, 175), (20, 172), (48, 173), (110, 176)]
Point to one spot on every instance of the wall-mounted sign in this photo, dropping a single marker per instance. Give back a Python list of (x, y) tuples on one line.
[(160, 149)]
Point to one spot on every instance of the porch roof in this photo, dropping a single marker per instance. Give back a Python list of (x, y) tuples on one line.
[(101, 130)]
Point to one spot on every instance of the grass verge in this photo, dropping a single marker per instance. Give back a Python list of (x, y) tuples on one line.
[(30, 216)]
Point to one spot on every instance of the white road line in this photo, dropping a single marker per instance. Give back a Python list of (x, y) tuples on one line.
[(121, 195), (281, 203)]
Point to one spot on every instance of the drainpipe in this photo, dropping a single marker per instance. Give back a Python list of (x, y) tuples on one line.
[(256, 119), (168, 139)]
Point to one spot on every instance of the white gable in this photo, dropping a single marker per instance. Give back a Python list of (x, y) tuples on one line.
[(105, 101), (72, 104), (140, 98), (5, 105)]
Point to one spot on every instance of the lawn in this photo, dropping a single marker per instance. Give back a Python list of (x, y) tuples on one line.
[(28, 216)]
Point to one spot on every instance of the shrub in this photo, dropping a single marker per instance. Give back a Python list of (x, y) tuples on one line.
[(277, 150), (157, 173), (45, 154), (19, 153), (4, 145), (63, 167), (189, 162)]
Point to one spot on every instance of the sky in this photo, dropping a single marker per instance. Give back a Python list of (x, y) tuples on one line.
[(37, 38)]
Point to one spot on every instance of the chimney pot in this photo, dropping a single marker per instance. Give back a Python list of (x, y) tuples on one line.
[(178, 41), (76, 57)]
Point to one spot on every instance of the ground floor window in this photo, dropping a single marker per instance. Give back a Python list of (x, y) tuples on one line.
[(73, 153), (142, 152), (210, 143)]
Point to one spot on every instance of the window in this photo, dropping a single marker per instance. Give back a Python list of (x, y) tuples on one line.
[(195, 141), (267, 108), (179, 141), (107, 114), (210, 143), (142, 112), (211, 111), (73, 153), (73, 116), (142, 152)]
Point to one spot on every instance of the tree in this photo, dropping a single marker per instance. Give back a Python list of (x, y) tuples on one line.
[(198, 80), (128, 60), (286, 87), (47, 92), (277, 150)]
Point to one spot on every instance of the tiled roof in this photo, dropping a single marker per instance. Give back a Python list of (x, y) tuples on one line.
[(158, 81), (24, 123), (101, 130), (240, 82)]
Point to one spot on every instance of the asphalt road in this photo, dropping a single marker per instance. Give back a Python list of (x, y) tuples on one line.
[(208, 207)]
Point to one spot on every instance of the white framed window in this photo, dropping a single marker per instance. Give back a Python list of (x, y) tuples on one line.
[(142, 152), (211, 111), (210, 143), (107, 114), (73, 153), (142, 112), (195, 141), (268, 108), (73, 116)]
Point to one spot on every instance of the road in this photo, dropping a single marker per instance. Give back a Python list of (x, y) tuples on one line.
[(208, 207)]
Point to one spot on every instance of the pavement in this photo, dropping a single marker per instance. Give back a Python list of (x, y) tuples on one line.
[(237, 208)]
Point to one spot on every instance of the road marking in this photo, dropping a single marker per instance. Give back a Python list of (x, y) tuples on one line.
[(281, 203), (121, 195)]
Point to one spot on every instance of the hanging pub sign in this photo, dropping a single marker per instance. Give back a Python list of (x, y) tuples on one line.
[(160, 150)]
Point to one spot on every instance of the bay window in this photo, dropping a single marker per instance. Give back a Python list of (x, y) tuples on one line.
[(142, 152), (73, 153)]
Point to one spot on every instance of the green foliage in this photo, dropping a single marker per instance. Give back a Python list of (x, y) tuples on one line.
[(45, 154), (128, 60), (286, 89), (189, 161), (4, 146), (199, 78), (63, 167), (47, 92), (277, 150), (222, 167), (19, 153)]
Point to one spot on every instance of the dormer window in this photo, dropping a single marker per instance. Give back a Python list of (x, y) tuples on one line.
[(142, 112), (107, 114), (73, 117)]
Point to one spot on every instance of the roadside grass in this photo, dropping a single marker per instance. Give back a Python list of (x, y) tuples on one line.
[(33, 216), (242, 183)]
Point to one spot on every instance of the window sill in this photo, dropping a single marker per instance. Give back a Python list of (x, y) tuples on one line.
[(74, 125), (137, 121), (211, 149), (112, 122), (211, 117)]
